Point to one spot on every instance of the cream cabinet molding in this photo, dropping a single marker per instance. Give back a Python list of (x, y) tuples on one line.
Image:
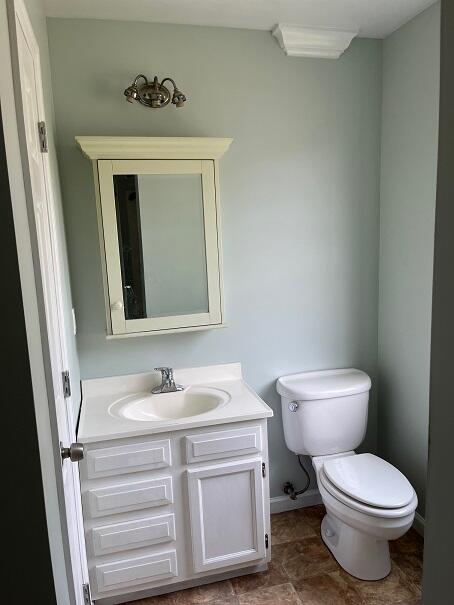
[(297, 41), (153, 148), (159, 229)]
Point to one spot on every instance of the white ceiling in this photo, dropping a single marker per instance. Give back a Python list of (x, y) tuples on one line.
[(371, 18)]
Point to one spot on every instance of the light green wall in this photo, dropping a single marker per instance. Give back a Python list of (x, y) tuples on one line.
[(299, 196), (408, 188)]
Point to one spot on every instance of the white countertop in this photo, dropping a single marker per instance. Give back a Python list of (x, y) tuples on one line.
[(98, 424)]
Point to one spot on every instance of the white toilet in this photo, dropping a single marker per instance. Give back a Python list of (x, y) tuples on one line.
[(368, 501)]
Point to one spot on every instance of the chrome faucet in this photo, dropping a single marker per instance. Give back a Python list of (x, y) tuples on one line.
[(167, 382)]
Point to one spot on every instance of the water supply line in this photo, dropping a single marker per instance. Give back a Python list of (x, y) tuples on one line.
[(288, 487)]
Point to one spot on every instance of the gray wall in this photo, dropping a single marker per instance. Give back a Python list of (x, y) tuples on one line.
[(408, 185), (439, 536), (299, 196)]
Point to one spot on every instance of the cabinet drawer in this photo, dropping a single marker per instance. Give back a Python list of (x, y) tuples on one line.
[(129, 496), (138, 570), (133, 534), (223, 444), (129, 458)]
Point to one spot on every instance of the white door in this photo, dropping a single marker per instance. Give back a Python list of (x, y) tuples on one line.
[(49, 252), (227, 514)]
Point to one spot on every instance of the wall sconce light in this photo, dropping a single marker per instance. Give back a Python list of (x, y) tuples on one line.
[(154, 94)]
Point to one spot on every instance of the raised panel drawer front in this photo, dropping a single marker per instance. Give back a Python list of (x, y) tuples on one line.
[(227, 514), (129, 496), (129, 458), (138, 570), (133, 534), (223, 444)]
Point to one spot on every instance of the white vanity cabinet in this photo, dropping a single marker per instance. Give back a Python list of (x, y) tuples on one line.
[(170, 510)]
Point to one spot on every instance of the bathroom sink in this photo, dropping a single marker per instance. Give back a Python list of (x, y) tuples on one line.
[(146, 407)]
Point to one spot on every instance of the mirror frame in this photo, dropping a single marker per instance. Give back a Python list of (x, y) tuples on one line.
[(156, 155)]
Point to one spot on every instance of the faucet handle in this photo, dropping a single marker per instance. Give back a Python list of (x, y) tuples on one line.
[(164, 371)]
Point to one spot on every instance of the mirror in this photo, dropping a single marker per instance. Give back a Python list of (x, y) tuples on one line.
[(158, 212), (162, 247)]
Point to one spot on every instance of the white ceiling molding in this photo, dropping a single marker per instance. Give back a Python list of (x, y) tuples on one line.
[(299, 41)]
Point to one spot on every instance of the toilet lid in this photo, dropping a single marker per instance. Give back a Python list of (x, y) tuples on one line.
[(369, 479)]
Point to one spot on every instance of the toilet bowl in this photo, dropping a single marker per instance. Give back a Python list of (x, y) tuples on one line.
[(368, 501)]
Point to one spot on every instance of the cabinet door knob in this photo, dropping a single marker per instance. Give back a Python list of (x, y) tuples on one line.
[(117, 306)]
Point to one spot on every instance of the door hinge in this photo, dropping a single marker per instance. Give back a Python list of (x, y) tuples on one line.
[(263, 469), (42, 134), (66, 384), (86, 593), (266, 541)]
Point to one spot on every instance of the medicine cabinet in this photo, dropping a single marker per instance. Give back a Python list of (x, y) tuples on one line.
[(158, 212)]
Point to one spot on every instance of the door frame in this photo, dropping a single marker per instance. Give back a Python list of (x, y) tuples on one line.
[(33, 299)]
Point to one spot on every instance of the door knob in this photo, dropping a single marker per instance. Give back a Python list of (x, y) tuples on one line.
[(75, 452)]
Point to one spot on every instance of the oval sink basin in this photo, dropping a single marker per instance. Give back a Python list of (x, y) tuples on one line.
[(193, 401)]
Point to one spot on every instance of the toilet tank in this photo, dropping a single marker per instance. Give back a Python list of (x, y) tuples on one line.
[(324, 412)]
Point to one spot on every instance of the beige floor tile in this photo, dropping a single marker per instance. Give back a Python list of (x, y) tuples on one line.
[(290, 526), (226, 601), (304, 558), (395, 588), (411, 542), (313, 516), (218, 591), (411, 565), (274, 575), (327, 589), (283, 594)]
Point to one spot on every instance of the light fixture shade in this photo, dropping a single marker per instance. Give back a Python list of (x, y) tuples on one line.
[(131, 93), (178, 98)]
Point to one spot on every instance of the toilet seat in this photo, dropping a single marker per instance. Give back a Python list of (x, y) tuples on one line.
[(368, 484), (369, 479)]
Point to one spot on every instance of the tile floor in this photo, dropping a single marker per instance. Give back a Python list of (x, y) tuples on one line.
[(303, 572)]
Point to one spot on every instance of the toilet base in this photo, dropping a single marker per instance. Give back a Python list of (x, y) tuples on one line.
[(361, 555)]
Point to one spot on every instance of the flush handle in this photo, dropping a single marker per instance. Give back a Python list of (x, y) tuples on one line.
[(293, 406)]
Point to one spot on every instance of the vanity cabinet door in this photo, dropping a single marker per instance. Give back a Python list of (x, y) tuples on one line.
[(227, 514)]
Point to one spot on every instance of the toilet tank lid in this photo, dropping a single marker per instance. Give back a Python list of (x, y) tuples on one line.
[(323, 384)]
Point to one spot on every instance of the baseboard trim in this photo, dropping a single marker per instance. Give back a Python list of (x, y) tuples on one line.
[(281, 504), (419, 524)]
